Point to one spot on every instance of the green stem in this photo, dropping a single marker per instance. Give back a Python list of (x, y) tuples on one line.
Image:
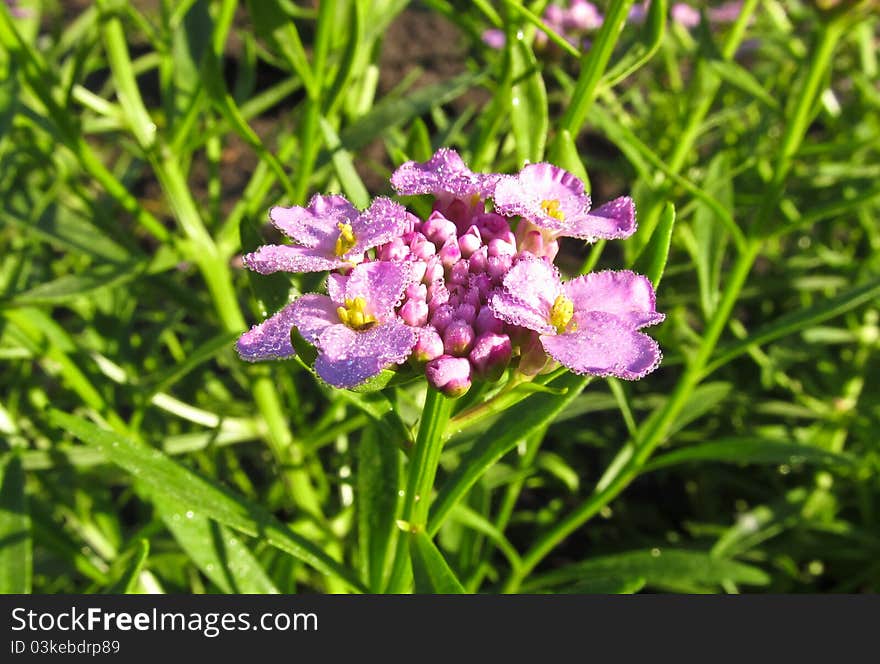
[(420, 480), (593, 64)]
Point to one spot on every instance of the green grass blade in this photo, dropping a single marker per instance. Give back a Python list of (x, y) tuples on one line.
[(431, 572), (160, 473), (15, 529), (653, 258), (377, 485), (528, 104)]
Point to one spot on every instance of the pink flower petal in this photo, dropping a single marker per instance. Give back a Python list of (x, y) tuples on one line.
[(613, 221), (315, 225), (312, 314), (604, 345), (506, 307), (348, 358), (270, 340), (524, 195), (381, 223), (445, 172), (289, 258), (627, 295), (381, 284), (535, 283)]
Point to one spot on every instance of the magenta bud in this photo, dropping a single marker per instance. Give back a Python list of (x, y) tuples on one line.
[(428, 346), (479, 260), (449, 254), (458, 337), (482, 284), (490, 356), (419, 269), (499, 247), (470, 241), (395, 250), (433, 270), (533, 358), (414, 312), (493, 226), (442, 317), (438, 229), (472, 296), (450, 375), (499, 266), (421, 247), (532, 242), (466, 312), (486, 322), (417, 291), (437, 296), (460, 272)]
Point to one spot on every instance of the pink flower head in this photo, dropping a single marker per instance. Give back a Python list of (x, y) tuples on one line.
[(493, 38), (582, 16), (355, 329), (683, 14), (330, 233), (554, 199), (444, 173), (589, 324)]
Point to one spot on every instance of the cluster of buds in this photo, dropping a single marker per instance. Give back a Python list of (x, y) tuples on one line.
[(464, 293)]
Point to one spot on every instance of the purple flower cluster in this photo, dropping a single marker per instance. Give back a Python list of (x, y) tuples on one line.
[(464, 292)]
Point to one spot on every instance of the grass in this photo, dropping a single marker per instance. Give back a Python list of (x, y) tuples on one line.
[(141, 145)]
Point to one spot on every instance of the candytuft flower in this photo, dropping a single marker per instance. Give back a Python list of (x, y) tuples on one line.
[(330, 233), (553, 199), (589, 324)]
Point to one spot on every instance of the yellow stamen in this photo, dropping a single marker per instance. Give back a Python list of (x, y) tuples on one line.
[(355, 315), (551, 208), (346, 239), (561, 313)]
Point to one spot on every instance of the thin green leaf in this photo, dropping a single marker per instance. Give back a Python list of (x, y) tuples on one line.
[(131, 565), (377, 486), (15, 529), (160, 473), (653, 258), (431, 572), (528, 104)]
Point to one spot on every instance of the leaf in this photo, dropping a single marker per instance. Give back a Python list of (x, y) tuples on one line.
[(740, 78), (528, 104), (652, 260), (15, 529), (131, 565), (343, 165), (72, 286), (672, 569), (514, 425), (161, 381), (750, 451), (377, 486), (391, 113), (710, 235), (220, 555), (799, 320), (609, 585), (431, 572), (160, 473)]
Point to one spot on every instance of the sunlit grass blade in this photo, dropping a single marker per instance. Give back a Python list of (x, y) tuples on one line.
[(431, 572), (157, 471), (130, 567), (15, 528)]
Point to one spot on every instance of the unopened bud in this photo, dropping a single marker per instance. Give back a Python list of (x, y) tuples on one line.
[(470, 241), (486, 322), (438, 229), (414, 312), (450, 253), (458, 337), (490, 356), (428, 346), (450, 375)]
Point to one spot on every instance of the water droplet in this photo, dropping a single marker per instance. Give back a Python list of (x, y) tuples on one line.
[(401, 493), (418, 498), (520, 35), (655, 552), (190, 514), (515, 101)]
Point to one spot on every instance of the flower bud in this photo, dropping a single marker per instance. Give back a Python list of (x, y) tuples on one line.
[(433, 270), (532, 242), (470, 241), (482, 284), (417, 291), (498, 267), (442, 317), (414, 312), (421, 247), (490, 356), (428, 346), (395, 250), (499, 247), (493, 226), (466, 312), (450, 253), (438, 229), (419, 269), (458, 337), (460, 272), (437, 295), (486, 322), (479, 260), (450, 375), (533, 357)]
